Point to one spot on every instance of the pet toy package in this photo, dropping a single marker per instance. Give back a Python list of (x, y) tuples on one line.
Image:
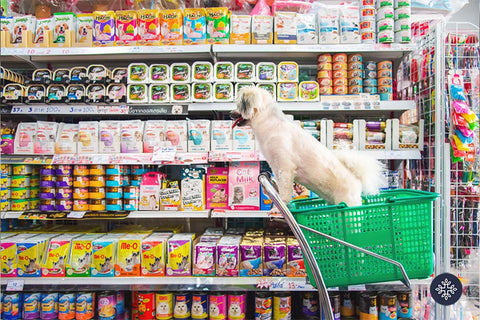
[(154, 135), (217, 188), (204, 258), (262, 29), (251, 264), (87, 137), (80, 255), (154, 255), (274, 253), (176, 134), (63, 22), (67, 135), (221, 136), (43, 26), (20, 24), (243, 186), (180, 254), (218, 25), (148, 27), (128, 256), (131, 137), (243, 139), (171, 27), (103, 28), (240, 29), (56, 255), (25, 137), (193, 189), (109, 136), (228, 256), (150, 191), (198, 135), (285, 28), (194, 26), (126, 33), (84, 24), (45, 137), (104, 255)]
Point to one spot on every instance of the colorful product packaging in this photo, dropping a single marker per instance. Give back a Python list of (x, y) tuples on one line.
[(204, 258), (150, 191), (194, 26), (104, 256), (84, 25), (109, 136), (180, 254), (218, 25), (251, 263), (240, 29), (217, 188), (45, 137), (154, 255), (243, 186), (63, 22), (55, 257), (129, 255), (103, 28), (198, 135), (228, 256), (153, 135), (87, 137), (148, 27), (66, 141), (171, 27), (80, 255), (262, 29), (43, 26), (275, 258), (126, 23), (24, 137), (176, 134), (131, 138), (193, 189), (221, 136), (243, 139), (285, 28)]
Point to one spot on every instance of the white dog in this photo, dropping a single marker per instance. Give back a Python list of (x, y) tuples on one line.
[(295, 155)]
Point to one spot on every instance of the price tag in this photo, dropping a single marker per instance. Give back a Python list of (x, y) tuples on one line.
[(15, 285), (76, 214), (263, 283), (164, 154), (360, 287)]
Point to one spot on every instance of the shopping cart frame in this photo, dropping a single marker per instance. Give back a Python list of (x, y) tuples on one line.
[(270, 188)]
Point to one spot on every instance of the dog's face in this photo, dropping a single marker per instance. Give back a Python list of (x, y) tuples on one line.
[(250, 102)]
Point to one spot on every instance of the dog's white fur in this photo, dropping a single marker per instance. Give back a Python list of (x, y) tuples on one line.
[(293, 154)]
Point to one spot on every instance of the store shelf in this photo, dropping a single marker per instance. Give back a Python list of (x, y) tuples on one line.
[(106, 215), (220, 213), (168, 214)]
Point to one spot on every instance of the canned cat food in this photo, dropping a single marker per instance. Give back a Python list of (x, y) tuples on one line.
[(385, 89), (340, 82), (310, 309), (340, 90), (139, 170), (335, 304), (370, 82), (114, 192), (218, 306), (64, 193), (385, 81), (340, 57), (96, 205), (131, 192), (21, 169), (19, 205), (347, 307), (66, 306), (356, 57), (85, 306), (355, 81), (31, 306), (324, 57), (96, 193), (96, 170), (325, 90), (367, 36), (6, 182), (81, 181), (20, 193), (325, 66), (114, 169), (324, 74), (263, 306), (114, 180), (371, 90), (49, 183), (5, 169), (405, 305), (388, 306), (355, 66), (367, 13), (5, 205), (135, 181), (323, 82), (97, 181), (182, 305), (164, 306), (387, 64), (282, 306), (34, 192), (34, 181), (64, 205), (49, 306), (367, 306), (80, 205), (237, 306), (126, 181), (340, 74), (36, 170), (339, 66), (64, 170), (120, 305), (106, 306), (113, 204), (34, 204), (20, 182), (371, 65), (355, 74), (355, 89), (80, 170), (130, 204), (47, 170), (199, 306), (80, 193)]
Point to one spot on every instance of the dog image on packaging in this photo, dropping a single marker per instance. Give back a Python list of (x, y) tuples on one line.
[(193, 189), (80, 255), (84, 25), (154, 255), (176, 134), (221, 136), (243, 186), (103, 28), (109, 141), (180, 254), (217, 188), (198, 135), (194, 26), (129, 255), (63, 22), (20, 24), (87, 137), (43, 26), (171, 27), (67, 138)]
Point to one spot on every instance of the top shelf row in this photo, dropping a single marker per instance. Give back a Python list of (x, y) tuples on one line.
[(256, 51)]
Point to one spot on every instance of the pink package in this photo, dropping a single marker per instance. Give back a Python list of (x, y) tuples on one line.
[(204, 259), (25, 137), (217, 188), (243, 186), (228, 256), (45, 137)]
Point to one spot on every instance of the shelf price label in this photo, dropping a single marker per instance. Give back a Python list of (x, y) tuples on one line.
[(76, 214), (15, 285), (164, 154), (279, 284)]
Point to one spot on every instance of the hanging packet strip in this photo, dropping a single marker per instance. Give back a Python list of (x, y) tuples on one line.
[(456, 155), (459, 144), (460, 106), (471, 118), (459, 120), (464, 139), (465, 131)]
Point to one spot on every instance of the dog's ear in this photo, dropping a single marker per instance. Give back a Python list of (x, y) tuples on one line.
[(246, 103)]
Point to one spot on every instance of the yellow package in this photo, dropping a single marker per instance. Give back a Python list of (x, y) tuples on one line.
[(171, 27), (180, 254), (8, 255), (29, 255), (54, 259), (128, 255), (170, 199), (80, 256), (154, 255), (240, 29), (104, 256)]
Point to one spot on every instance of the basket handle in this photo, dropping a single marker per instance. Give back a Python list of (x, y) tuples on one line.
[(394, 199)]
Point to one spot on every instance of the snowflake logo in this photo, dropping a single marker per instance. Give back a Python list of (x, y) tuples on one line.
[(446, 289)]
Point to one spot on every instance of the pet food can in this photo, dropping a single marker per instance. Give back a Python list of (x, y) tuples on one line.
[(34, 181), (97, 181), (34, 204), (325, 66), (370, 82), (324, 57), (64, 205), (324, 82), (388, 307), (387, 64), (120, 305), (64, 170), (34, 193), (113, 192), (6, 169), (385, 81), (20, 193), (335, 304), (355, 66), (131, 192), (367, 36), (5, 205), (370, 74), (347, 307), (200, 306), (80, 205), (114, 169), (310, 309), (64, 193), (218, 306), (85, 306), (66, 306), (355, 89), (340, 57), (325, 90), (340, 90), (80, 193), (237, 306), (367, 13), (146, 305), (80, 170), (19, 205), (282, 306), (355, 81), (47, 170), (355, 74), (164, 305), (130, 204), (370, 90), (106, 306), (49, 183), (367, 306), (49, 306), (324, 74), (340, 66), (96, 170), (135, 180), (126, 181), (403, 36), (12, 306), (385, 73), (6, 182), (134, 305), (64, 182), (96, 193), (181, 306), (21, 182), (81, 181), (96, 205), (340, 82), (31, 306), (139, 170), (405, 305), (340, 74), (113, 204), (21, 169), (263, 306), (114, 180), (370, 65)]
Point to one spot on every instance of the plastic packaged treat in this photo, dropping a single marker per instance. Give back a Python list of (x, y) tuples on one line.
[(126, 24), (223, 91), (194, 26), (171, 27), (103, 28), (137, 93), (180, 73), (218, 25), (148, 27)]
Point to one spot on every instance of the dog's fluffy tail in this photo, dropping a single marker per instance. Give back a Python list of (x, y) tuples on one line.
[(366, 168)]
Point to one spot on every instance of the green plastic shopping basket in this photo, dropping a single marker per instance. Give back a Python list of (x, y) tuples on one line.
[(396, 224)]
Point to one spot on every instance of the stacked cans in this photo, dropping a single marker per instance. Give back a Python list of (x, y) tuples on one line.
[(116, 178), (81, 182), (403, 29), (385, 80), (64, 188), (370, 82), (47, 188), (324, 74), (96, 190), (367, 21), (385, 21), (340, 74), (5, 183), (355, 74), (17, 183)]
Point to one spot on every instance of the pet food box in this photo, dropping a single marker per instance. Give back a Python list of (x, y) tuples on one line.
[(198, 135), (262, 30), (29, 254), (328, 24), (374, 135), (243, 139), (176, 134), (132, 136), (109, 136), (129, 255), (221, 135), (285, 28), (228, 256), (193, 189), (217, 188), (251, 262), (8, 254), (154, 255), (243, 186), (240, 31), (67, 135), (24, 137), (80, 255), (179, 248), (87, 137), (407, 136), (170, 199), (55, 257), (150, 191), (45, 137), (204, 257), (104, 255), (154, 134), (306, 29)]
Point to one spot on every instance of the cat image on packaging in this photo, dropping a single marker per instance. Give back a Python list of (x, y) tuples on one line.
[(84, 26), (194, 26), (176, 135), (218, 25), (25, 137), (45, 137), (103, 28), (154, 135), (67, 138), (193, 189), (29, 255), (243, 186), (148, 27), (8, 255), (241, 26), (109, 136), (56, 255), (43, 26), (180, 254), (217, 188), (129, 255), (63, 22), (80, 256), (154, 255), (104, 256), (126, 33), (171, 27), (150, 191), (262, 29)]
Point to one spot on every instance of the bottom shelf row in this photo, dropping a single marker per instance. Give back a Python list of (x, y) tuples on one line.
[(150, 305)]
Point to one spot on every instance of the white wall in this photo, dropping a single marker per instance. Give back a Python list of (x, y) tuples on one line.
[(469, 13)]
